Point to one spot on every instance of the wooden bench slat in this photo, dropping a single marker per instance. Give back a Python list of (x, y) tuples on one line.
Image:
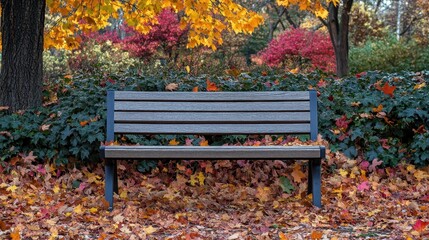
[(211, 96), (217, 117), (213, 152), (213, 129), (212, 106)]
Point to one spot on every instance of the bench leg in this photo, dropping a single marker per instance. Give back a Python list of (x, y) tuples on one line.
[(110, 180), (316, 181)]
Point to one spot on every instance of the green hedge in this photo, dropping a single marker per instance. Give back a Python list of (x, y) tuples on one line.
[(73, 126)]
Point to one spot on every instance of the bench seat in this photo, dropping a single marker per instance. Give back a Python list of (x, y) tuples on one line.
[(213, 152)]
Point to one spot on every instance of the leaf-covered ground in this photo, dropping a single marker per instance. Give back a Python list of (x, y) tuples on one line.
[(215, 200)]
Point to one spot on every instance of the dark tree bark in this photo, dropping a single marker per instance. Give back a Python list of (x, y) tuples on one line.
[(339, 34), (21, 77)]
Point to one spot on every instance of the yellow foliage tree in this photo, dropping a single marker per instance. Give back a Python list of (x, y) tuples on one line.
[(24, 33)]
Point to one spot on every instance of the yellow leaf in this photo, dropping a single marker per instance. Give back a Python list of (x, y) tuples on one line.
[(123, 194), (173, 142), (78, 209), (193, 180), (54, 233), (343, 172), (93, 210), (68, 214), (421, 85), (188, 69), (11, 188), (295, 70), (56, 189), (201, 178), (419, 174), (149, 230)]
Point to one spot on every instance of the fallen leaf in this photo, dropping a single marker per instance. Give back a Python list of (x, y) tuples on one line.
[(418, 86), (211, 87), (374, 165), (387, 89), (83, 123), (12, 188), (297, 174), (45, 127), (188, 69), (283, 236), (171, 86), (378, 109), (286, 185), (195, 89), (149, 230), (4, 108), (3, 226), (316, 235), (364, 186), (15, 234), (420, 225), (78, 209), (173, 142), (118, 218), (234, 236)]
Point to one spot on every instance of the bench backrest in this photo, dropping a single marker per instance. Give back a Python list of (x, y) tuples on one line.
[(211, 113)]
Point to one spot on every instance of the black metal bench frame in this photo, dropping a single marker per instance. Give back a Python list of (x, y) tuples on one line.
[(212, 113)]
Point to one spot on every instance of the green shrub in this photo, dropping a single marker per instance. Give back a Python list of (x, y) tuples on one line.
[(389, 55), (356, 115)]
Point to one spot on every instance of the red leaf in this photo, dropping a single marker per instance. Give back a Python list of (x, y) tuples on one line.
[(420, 225), (387, 89)]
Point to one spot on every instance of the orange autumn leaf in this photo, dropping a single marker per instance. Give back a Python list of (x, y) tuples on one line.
[(195, 89), (283, 236), (204, 143), (173, 142), (378, 109), (84, 123), (15, 235), (387, 89), (211, 87), (420, 226), (316, 235)]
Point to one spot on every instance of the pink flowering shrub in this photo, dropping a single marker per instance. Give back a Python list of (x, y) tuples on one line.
[(300, 48)]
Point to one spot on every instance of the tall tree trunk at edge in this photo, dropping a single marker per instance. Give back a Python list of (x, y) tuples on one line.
[(339, 33), (21, 77)]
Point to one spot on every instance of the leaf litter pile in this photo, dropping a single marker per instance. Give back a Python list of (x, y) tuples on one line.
[(215, 200)]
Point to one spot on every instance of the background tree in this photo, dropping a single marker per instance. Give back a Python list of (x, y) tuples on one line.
[(338, 16), (23, 23)]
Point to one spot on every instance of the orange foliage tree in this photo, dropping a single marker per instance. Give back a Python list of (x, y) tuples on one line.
[(24, 34)]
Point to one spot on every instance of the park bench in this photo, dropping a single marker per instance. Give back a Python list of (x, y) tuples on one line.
[(212, 113)]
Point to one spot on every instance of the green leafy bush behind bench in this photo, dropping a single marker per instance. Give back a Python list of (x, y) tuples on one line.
[(350, 117)]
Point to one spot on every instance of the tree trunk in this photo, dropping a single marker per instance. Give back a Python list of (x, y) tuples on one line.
[(339, 34), (21, 77)]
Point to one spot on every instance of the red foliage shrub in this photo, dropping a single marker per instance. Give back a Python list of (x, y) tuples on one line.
[(163, 36), (302, 47)]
